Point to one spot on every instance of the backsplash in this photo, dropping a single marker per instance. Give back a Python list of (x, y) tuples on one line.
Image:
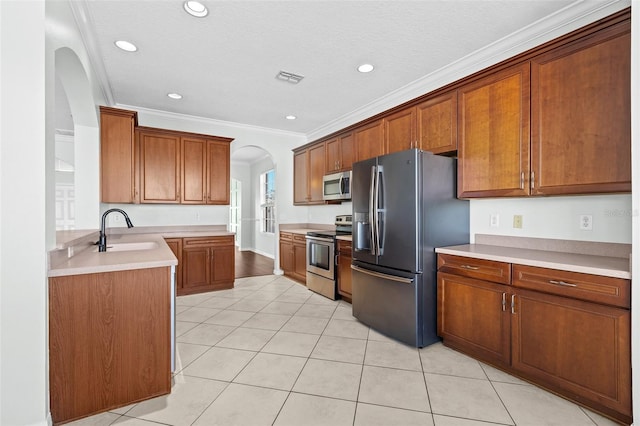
[(556, 217)]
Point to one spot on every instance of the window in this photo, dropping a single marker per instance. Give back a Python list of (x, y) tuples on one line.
[(267, 200)]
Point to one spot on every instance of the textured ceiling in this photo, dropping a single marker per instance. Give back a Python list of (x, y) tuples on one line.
[(225, 64)]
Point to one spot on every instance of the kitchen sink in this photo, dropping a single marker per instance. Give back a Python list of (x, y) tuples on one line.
[(142, 245)]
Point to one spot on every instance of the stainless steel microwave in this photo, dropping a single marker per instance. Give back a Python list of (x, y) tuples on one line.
[(337, 186)]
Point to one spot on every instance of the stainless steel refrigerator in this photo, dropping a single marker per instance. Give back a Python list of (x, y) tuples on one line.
[(404, 206)]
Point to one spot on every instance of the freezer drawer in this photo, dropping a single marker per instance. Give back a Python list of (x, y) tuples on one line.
[(393, 305)]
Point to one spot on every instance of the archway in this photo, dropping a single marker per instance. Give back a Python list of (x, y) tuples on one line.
[(73, 79), (252, 211)]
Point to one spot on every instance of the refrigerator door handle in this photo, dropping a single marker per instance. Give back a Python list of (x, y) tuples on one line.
[(383, 276), (372, 224), (377, 210)]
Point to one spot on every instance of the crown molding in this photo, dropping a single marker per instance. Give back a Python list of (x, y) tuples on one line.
[(204, 120), (570, 18), (84, 22)]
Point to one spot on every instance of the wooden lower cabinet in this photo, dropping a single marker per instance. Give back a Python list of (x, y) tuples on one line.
[(578, 349), (555, 332), (471, 317), (208, 264), (175, 244), (109, 340), (344, 269), (293, 256)]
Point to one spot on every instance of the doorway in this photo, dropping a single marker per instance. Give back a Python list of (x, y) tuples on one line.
[(253, 197)]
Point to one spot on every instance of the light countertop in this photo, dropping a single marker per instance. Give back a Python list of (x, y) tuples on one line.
[(76, 253), (344, 237), (618, 267), (89, 260)]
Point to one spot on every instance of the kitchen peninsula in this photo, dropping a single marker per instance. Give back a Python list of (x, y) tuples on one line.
[(112, 317)]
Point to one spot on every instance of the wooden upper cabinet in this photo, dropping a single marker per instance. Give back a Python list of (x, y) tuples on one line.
[(400, 131), (308, 170), (159, 166), (300, 180), (316, 172), (339, 153), (194, 175), (218, 172), (437, 123), (117, 158), (369, 140), (493, 129), (581, 115)]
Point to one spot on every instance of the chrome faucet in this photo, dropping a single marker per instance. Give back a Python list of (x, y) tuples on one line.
[(102, 242)]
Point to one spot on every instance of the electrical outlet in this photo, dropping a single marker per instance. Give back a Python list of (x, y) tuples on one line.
[(494, 220), (586, 222), (116, 217), (197, 217), (517, 221)]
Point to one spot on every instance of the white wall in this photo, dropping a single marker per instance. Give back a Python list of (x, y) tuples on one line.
[(326, 214), (635, 204), (23, 233), (556, 217)]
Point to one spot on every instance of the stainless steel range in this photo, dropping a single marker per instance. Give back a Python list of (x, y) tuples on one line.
[(321, 257)]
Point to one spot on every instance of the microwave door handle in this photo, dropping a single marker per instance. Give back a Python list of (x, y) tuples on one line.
[(372, 231), (341, 185)]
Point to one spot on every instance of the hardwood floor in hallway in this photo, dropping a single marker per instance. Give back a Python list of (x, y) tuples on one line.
[(250, 264)]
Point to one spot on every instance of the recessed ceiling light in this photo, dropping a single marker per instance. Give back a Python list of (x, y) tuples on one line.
[(195, 8), (291, 117), (174, 95), (365, 68), (125, 45)]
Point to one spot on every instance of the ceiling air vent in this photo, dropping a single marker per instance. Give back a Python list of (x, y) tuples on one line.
[(289, 77)]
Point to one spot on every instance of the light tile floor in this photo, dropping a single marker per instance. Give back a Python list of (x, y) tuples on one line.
[(270, 352)]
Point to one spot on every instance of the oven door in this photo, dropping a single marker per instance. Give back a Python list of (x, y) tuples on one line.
[(320, 256)]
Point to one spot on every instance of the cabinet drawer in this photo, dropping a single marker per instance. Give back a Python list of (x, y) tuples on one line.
[(489, 270), (592, 288), (286, 236), (207, 241), (297, 238)]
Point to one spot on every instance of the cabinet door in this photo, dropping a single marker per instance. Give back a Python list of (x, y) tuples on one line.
[(346, 151), (175, 244), (333, 155), (437, 122), (344, 269), (222, 266), (286, 256), (300, 179), (581, 115), (493, 151), (580, 348), (194, 171), (369, 141), (400, 130), (195, 267), (159, 167), (117, 165), (218, 173), (472, 316), (316, 173), (300, 258)]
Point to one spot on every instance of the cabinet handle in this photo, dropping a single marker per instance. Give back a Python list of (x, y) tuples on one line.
[(562, 283), (513, 303), (522, 180), (504, 302), (472, 268), (533, 179)]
